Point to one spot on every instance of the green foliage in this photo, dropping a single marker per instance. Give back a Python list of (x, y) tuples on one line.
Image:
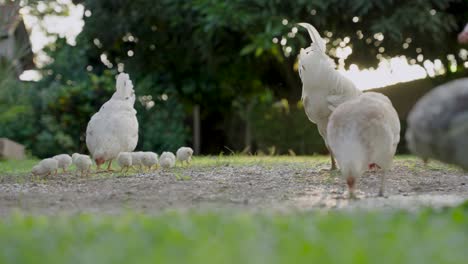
[(213, 53), (162, 126), (17, 120), (425, 237), (64, 108), (269, 120)]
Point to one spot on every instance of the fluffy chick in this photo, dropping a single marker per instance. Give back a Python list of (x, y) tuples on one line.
[(149, 159), (45, 167), (64, 161), (82, 163), (125, 160), (137, 159), (184, 154), (167, 160), (364, 133)]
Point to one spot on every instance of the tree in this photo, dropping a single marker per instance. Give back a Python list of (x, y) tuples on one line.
[(222, 55)]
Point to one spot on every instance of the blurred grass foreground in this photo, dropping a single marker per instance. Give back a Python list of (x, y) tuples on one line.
[(424, 237)]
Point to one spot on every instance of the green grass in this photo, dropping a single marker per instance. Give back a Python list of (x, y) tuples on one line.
[(16, 166), (222, 236), (238, 237), (24, 166)]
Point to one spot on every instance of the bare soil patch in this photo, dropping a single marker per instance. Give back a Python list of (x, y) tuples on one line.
[(281, 186)]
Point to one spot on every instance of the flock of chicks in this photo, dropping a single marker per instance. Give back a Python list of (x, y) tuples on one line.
[(126, 160), (361, 130)]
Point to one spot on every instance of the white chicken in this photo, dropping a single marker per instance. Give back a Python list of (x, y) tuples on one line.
[(364, 133), (184, 154), (114, 128), (64, 161), (82, 163), (167, 160), (323, 88)]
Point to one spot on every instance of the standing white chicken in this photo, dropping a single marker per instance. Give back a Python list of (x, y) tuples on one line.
[(364, 133), (323, 88), (114, 128)]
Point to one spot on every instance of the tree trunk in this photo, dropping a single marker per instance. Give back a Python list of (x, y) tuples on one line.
[(196, 129)]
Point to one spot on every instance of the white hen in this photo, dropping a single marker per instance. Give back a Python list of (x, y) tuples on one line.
[(323, 88), (114, 128), (364, 133)]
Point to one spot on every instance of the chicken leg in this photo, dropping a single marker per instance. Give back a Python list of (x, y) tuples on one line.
[(109, 167), (333, 162), (382, 184)]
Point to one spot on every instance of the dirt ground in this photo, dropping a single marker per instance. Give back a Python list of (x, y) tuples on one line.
[(282, 186)]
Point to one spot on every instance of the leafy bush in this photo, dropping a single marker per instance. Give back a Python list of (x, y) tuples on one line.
[(17, 120), (161, 116)]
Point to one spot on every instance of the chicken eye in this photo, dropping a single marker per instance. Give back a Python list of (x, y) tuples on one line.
[(126, 98)]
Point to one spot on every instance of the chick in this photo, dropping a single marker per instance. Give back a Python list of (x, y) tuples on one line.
[(82, 163), (149, 159), (45, 167), (64, 161), (38, 170), (137, 160), (124, 159), (167, 160), (184, 154)]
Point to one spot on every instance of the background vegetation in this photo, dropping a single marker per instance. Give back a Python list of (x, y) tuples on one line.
[(220, 56)]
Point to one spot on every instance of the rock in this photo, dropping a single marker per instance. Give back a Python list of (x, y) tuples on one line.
[(11, 150)]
